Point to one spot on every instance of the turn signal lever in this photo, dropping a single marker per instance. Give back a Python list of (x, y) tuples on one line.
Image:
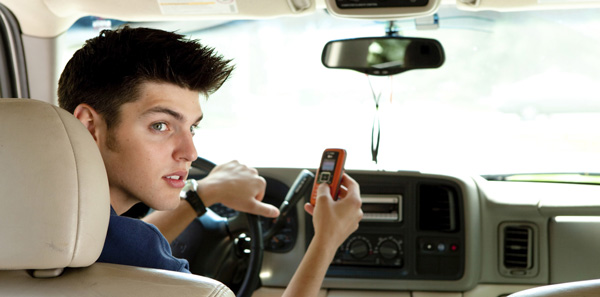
[(300, 188)]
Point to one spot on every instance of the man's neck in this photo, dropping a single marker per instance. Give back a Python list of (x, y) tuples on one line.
[(120, 203)]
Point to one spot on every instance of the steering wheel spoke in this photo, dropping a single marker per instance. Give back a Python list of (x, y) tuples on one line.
[(238, 224)]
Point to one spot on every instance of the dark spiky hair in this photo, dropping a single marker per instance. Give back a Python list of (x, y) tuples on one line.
[(109, 69)]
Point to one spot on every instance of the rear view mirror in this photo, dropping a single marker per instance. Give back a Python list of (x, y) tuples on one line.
[(383, 55)]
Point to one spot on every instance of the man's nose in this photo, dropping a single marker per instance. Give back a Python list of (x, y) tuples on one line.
[(186, 150)]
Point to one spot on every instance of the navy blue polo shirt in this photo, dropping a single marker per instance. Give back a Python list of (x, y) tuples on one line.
[(136, 243)]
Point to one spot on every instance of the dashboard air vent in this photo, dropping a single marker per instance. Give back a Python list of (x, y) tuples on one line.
[(437, 208), (517, 247)]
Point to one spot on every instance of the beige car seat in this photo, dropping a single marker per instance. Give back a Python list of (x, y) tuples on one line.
[(54, 212)]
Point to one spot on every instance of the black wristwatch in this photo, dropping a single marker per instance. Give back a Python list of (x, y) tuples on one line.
[(190, 194)]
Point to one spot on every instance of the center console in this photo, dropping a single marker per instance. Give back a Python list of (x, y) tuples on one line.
[(412, 229)]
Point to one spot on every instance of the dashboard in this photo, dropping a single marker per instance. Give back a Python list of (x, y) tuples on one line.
[(443, 233), (413, 235)]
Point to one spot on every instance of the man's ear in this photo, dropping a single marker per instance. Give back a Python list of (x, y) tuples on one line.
[(88, 116)]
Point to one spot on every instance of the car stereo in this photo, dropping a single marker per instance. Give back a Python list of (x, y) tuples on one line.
[(382, 208)]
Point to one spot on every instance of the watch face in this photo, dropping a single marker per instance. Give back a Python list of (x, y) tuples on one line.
[(190, 185)]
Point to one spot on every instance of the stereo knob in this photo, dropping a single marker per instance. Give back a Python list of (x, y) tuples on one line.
[(388, 250), (359, 249)]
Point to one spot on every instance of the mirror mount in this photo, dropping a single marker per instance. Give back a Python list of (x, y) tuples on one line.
[(392, 29)]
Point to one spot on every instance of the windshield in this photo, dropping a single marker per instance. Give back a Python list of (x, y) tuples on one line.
[(517, 93)]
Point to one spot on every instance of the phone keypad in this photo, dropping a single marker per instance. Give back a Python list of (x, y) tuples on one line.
[(325, 177)]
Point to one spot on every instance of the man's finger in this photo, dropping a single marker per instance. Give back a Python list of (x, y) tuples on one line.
[(350, 183), (343, 192), (265, 210), (323, 190), (263, 188), (309, 208)]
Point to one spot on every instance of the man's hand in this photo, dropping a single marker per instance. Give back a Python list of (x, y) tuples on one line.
[(236, 186), (333, 220)]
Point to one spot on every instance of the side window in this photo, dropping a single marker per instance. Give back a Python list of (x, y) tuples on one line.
[(13, 78)]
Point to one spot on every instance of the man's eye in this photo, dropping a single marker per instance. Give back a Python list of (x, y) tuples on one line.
[(159, 126), (193, 129)]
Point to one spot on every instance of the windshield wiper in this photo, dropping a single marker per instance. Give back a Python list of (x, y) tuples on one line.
[(554, 177)]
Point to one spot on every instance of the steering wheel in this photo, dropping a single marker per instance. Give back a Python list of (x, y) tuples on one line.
[(231, 249), (226, 249)]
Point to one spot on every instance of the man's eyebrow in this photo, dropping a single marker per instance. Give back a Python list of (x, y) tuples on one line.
[(178, 116)]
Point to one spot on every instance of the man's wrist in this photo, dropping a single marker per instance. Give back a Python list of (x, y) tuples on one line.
[(190, 194)]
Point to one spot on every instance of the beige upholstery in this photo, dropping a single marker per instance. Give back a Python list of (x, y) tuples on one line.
[(53, 187), (572, 289), (103, 279), (54, 211)]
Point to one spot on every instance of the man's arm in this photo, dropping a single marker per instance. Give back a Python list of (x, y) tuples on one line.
[(333, 221), (233, 184)]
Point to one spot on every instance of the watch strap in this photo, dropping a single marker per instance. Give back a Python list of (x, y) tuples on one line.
[(190, 194)]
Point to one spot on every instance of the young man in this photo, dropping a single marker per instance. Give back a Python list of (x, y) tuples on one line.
[(137, 92)]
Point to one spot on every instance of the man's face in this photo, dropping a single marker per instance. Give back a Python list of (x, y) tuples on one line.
[(151, 148)]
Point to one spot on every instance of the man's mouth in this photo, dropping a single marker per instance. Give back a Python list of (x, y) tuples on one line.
[(175, 180)]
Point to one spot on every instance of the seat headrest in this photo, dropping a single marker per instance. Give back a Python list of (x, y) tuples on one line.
[(54, 197)]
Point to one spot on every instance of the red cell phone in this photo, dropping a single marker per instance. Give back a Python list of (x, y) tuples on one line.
[(330, 171)]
